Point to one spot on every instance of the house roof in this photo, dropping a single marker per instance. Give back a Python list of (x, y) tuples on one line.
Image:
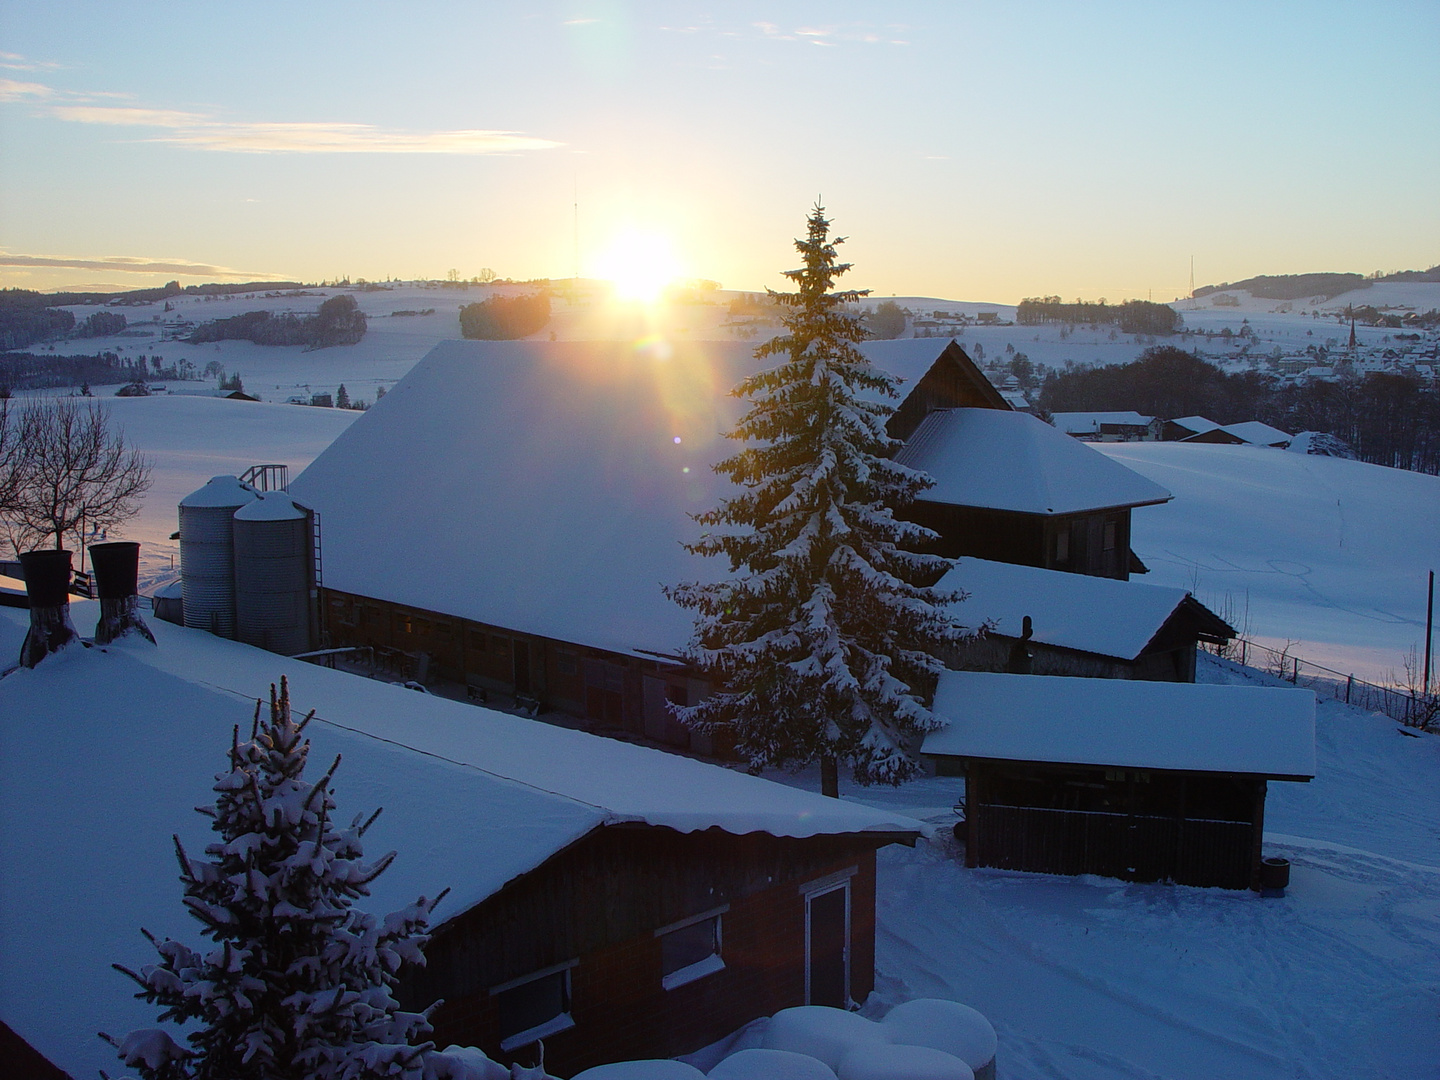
[(133, 735), (1088, 423), (1258, 434), (1028, 466), (1126, 723), (1071, 611), (1197, 424)]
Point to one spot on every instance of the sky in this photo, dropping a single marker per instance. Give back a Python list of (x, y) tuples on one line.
[(971, 151)]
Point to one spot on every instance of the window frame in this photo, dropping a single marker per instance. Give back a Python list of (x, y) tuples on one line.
[(562, 1021), (701, 968)]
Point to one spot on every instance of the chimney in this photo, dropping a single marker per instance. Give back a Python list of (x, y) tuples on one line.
[(47, 583), (117, 572)]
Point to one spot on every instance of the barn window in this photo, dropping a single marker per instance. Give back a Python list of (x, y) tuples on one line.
[(690, 949), (1109, 536), (534, 1006), (1062, 545)]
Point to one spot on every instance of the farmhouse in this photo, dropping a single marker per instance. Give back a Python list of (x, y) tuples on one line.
[(1186, 426), (1145, 781), (617, 901)]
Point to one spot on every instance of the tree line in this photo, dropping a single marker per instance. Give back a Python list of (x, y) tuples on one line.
[(33, 371), (505, 318), (1388, 419), (338, 322), (1133, 316)]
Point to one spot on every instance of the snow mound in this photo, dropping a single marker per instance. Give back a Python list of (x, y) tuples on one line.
[(463, 1063), (881, 1062), (760, 1064), (943, 1025), (656, 1069), (823, 1033)]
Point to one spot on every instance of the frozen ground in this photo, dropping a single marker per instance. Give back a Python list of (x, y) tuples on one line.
[(1095, 979)]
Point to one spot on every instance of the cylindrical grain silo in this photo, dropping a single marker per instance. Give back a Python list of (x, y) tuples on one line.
[(274, 574), (207, 553)]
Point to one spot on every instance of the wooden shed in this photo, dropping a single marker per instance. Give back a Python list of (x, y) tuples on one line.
[(1144, 781), (1080, 625)]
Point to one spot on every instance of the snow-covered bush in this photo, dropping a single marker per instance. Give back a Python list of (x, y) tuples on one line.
[(652, 1069), (821, 1032), (760, 1064), (943, 1025), (895, 1062), (298, 983)]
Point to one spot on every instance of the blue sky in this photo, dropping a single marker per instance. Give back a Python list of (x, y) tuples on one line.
[(973, 151)]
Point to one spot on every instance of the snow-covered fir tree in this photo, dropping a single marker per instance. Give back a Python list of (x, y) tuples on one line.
[(298, 982), (823, 640)]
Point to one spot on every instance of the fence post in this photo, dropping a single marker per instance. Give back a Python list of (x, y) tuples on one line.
[(1243, 643), (1295, 677), (1349, 682)]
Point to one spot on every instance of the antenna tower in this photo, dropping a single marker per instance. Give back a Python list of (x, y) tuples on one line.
[(1192, 277)]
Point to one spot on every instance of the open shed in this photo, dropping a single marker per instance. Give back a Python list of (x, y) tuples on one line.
[(1146, 781)]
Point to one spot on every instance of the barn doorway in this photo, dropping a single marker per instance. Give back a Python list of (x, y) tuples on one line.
[(827, 946)]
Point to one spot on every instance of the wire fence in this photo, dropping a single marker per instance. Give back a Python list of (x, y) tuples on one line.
[(1411, 706)]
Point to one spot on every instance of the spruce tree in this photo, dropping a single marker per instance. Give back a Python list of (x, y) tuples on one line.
[(299, 982), (822, 642)]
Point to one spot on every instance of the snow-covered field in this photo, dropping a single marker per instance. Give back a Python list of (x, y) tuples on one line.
[(1327, 553)]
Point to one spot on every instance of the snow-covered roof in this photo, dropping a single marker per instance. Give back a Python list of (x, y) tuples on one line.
[(543, 487), (270, 506), (133, 736), (1198, 424), (1257, 434), (1126, 723), (220, 491), (1072, 611), (1012, 461), (1088, 423)]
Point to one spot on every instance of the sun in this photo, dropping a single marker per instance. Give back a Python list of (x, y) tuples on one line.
[(640, 264)]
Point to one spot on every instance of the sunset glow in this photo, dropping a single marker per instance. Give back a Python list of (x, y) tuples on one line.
[(640, 264)]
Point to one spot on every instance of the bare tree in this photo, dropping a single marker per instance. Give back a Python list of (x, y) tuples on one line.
[(72, 470)]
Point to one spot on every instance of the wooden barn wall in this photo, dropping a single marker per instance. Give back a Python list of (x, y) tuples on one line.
[(617, 690), (600, 902), (953, 382), (991, 652), (1031, 539), (1200, 829)]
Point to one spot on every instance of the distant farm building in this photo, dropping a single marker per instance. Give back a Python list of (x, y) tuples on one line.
[(1108, 426), (1145, 781)]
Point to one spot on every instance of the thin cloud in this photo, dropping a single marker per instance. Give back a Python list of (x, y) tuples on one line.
[(15, 62), (13, 90), (128, 264), (201, 131)]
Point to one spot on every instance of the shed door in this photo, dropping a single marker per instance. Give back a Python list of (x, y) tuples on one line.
[(827, 947)]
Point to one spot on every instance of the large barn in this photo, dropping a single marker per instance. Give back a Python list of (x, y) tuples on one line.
[(616, 901), (508, 517)]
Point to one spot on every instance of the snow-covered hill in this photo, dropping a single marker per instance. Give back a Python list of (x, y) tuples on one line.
[(1328, 553)]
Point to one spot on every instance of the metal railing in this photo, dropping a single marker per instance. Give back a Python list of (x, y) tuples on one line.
[(1409, 706)]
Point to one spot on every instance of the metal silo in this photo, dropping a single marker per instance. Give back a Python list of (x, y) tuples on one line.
[(207, 553), (274, 574)]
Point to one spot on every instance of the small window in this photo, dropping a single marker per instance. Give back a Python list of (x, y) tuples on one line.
[(1062, 545), (1109, 536), (676, 695), (690, 951), (534, 1007)]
